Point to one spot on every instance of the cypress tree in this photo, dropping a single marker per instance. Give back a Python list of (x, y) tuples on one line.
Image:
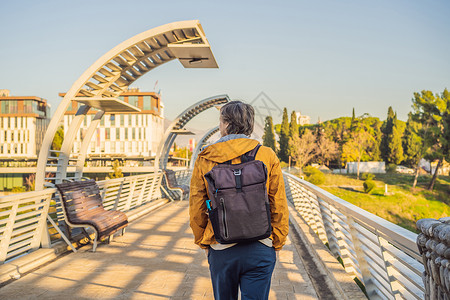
[(293, 125), (391, 143), (352, 124), (413, 145), (395, 145), (293, 134), (269, 134), (283, 153)]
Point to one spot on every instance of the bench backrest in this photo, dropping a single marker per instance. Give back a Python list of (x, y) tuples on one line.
[(80, 198), (171, 178)]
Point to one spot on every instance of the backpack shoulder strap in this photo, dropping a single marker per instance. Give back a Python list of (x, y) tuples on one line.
[(250, 155)]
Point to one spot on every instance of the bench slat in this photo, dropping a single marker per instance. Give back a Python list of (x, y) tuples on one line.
[(83, 206)]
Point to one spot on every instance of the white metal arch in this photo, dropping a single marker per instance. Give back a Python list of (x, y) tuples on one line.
[(202, 143), (101, 84), (178, 124)]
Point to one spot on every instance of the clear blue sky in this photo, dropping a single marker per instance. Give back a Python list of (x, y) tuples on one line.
[(320, 57)]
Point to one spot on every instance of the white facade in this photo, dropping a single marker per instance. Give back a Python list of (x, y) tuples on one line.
[(127, 135), (23, 121), (302, 119), (19, 137), (376, 167)]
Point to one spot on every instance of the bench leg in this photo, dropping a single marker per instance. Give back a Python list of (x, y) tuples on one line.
[(110, 239), (94, 247)]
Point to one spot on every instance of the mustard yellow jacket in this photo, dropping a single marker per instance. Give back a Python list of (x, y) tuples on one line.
[(232, 150)]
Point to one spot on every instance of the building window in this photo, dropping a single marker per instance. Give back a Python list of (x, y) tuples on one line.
[(112, 119), (122, 120), (102, 121), (147, 102), (126, 133), (21, 148), (107, 133), (117, 134), (113, 146), (133, 133), (9, 122), (122, 147), (133, 100), (140, 133), (129, 120)]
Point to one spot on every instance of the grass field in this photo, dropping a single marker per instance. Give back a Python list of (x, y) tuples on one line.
[(402, 205)]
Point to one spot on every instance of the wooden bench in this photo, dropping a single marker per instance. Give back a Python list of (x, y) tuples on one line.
[(83, 207), (170, 181)]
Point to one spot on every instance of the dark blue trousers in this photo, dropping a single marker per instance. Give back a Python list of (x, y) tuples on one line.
[(248, 266)]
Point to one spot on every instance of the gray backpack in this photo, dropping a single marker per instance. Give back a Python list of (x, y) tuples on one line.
[(238, 204)]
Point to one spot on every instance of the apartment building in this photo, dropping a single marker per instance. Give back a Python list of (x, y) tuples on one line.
[(23, 122), (131, 135)]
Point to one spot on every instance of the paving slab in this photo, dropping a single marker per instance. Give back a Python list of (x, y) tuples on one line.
[(155, 259)]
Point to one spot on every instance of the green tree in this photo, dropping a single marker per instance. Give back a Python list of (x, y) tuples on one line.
[(117, 171), (58, 139), (356, 147), (269, 134), (293, 125), (353, 122), (432, 112), (327, 149), (293, 133), (283, 152), (304, 148), (391, 142), (413, 146)]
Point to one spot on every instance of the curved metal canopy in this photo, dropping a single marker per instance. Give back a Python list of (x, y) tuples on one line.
[(111, 75)]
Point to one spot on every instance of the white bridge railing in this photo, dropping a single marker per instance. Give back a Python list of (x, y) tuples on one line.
[(382, 255), (183, 176), (124, 194), (23, 217), (23, 221)]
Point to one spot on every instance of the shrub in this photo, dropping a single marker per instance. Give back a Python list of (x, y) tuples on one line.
[(283, 164), (18, 189), (369, 176), (391, 168), (314, 175), (310, 170), (369, 185)]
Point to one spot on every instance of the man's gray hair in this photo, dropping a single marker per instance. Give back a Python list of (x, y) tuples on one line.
[(239, 116)]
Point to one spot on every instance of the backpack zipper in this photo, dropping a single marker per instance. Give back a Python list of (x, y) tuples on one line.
[(224, 216)]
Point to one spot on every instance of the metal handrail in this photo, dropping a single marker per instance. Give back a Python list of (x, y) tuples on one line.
[(22, 222), (24, 217), (382, 255), (124, 194), (183, 176)]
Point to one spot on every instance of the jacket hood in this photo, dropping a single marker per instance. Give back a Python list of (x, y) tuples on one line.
[(221, 152)]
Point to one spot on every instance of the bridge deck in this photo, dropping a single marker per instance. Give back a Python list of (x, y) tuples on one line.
[(155, 259)]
